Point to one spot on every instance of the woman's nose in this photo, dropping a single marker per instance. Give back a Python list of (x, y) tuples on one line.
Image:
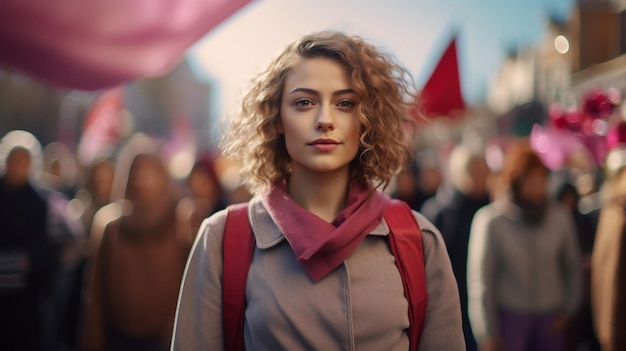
[(325, 121), (325, 125)]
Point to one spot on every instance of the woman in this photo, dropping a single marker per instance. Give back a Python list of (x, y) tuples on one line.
[(135, 275), (523, 274), (319, 131)]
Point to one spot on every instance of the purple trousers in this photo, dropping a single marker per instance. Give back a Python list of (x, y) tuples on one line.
[(529, 332)]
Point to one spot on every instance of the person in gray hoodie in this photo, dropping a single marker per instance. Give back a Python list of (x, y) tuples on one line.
[(320, 130), (524, 275)]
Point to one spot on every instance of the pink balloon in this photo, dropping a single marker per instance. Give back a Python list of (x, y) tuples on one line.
[(554, 146)]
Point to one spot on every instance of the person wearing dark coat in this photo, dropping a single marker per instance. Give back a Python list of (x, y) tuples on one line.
[(580, 333), (27, 257), (453, 209)]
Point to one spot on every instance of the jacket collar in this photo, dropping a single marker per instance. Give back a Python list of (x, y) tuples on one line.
[(267, 233)]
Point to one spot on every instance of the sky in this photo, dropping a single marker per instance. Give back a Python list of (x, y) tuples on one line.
[(415, 31)]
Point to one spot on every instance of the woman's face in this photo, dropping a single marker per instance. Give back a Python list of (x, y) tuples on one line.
[(318, 117)]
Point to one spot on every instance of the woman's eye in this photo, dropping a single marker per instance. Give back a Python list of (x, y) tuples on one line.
[(303, 103), (346, 104)]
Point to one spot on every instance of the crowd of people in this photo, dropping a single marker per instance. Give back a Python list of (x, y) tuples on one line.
[(121, 256), (98, 260), (521, 249), (79, 268)]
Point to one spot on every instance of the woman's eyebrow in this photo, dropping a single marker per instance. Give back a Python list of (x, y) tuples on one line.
[(344, 92), (315, 92), (305, 90)]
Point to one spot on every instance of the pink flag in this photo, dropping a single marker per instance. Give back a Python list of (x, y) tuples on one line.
[(103, 126), (98, 44)]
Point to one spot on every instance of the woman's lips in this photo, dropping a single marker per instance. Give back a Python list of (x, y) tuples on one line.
[(324, 145)]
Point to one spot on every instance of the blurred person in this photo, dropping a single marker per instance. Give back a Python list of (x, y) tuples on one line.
[(60, 169), (94, 194), (452, 210), (608, 265), (429, 176), (406, 186), (28, 258), (57, 184), (524, 278), (319, 131), (133, 280), (419, 180), (68, 237), (580, 333), (206, 196)]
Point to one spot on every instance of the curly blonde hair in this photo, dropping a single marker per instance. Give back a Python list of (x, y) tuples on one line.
[(386, 93)]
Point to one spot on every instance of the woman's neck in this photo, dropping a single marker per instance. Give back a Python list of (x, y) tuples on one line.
[(323, 195)]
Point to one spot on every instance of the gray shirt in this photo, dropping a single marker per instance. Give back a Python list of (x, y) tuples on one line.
[(514, 267), (358, 306)]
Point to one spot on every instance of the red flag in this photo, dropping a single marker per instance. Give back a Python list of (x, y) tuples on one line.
[(441, 95), (103, 126)]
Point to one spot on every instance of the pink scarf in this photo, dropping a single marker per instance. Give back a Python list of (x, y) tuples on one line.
[(321, 246)]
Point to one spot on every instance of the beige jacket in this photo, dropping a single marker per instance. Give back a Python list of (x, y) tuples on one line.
[(608, 268), (358, 306)]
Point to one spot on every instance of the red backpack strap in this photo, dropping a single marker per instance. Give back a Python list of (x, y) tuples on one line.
[(237, 256), (405, 240)]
